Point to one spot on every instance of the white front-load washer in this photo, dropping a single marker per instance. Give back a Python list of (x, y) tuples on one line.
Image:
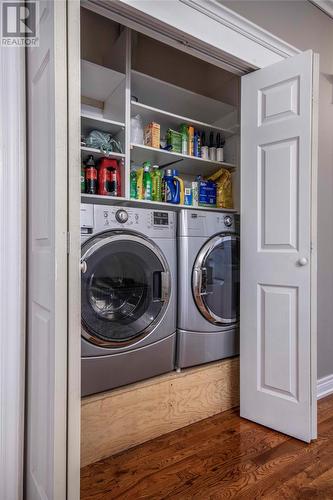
[(208, 287), (128, 295)]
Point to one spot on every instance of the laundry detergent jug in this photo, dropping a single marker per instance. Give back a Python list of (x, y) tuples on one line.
[(171, 187)]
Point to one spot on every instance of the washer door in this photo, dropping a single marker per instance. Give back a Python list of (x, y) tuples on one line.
[(215, 279), (125, 288)]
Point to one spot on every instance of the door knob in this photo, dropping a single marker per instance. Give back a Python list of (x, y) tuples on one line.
[(303, 261), (83, 266)]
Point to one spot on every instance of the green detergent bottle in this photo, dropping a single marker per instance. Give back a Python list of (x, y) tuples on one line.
[(156, 176), (133, 185), (147, 182)]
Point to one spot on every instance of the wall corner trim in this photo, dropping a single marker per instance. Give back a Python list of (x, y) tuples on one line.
[(325, 386)]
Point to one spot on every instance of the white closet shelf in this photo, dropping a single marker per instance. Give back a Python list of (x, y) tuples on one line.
[(190, 165), (119, 200), (85, 152), (90, 122), (99, 82), (171, 120)]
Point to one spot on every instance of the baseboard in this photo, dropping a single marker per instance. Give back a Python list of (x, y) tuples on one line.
[(325, 386)]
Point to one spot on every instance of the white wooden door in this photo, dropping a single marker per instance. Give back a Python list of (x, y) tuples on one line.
[(278, 271), (46, 453)]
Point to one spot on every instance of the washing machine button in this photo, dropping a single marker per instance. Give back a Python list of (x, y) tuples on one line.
[(227, 221), (121, 216)]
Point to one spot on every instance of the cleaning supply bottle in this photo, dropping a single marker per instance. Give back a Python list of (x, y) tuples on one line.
[(156, 177), (172, 187), (139, 184), (190, 140), (133, 185), (181, 187), (196, 144), (183, 130), (204, 147), (212, 147), (147, 183)]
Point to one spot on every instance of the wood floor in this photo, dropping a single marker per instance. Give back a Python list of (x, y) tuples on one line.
[(219, 457)]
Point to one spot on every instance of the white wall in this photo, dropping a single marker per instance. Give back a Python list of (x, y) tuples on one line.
[(306, 27)]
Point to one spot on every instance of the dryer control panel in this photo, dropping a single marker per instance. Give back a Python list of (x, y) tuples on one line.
[(152, 223), (203, 224)]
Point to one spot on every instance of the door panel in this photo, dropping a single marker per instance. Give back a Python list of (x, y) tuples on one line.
[(47, 258), (278, 181), (276, 261)]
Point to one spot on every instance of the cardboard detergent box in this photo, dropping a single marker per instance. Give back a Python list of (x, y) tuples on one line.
[(207, 193)]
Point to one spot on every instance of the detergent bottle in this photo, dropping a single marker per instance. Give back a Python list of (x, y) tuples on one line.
[(172, 187), (156, 177), (147, 182), (181, 187)]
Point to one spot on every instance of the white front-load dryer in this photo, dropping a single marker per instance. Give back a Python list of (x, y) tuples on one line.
[(128, 295), (208, 287)]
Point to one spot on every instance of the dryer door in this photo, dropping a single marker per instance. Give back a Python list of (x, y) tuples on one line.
[(215, 279), (125, 288)]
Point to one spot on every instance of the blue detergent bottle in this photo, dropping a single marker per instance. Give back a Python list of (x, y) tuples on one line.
[(172, 187)]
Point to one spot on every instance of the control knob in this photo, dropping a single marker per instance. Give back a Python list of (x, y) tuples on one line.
[(227, 221), (121, 216)]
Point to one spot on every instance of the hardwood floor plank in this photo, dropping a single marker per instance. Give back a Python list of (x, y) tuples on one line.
[(220, 457)]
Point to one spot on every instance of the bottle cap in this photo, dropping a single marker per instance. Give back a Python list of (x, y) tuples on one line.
[(90, 162), (168, 172)]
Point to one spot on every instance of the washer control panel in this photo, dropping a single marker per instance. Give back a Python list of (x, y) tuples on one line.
[(153, 223)]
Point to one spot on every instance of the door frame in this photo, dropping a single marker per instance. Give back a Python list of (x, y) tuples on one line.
[(246, 47)]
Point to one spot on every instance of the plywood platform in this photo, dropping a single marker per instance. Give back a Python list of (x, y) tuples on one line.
[(120, 419)]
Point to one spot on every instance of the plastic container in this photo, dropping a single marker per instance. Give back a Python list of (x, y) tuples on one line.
[(172, 187), (83, 180), (181, 187), (107, 184), (90, 174), (183, 130), (147, 183), (196, 144), (139, 183), (156, 176), (190, 139), (133, 185), (136, 130)]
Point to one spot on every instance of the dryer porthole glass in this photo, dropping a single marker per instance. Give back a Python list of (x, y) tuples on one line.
[(215, 280)]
